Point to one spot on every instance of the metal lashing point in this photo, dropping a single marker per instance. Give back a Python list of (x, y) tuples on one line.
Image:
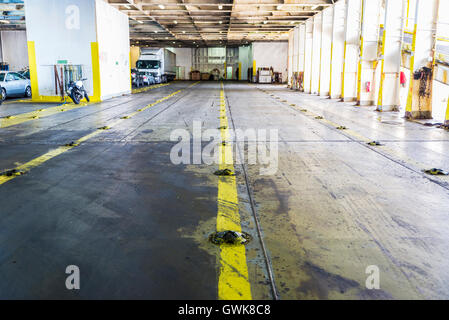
[(34, 117), (72, 144), (319, 118), (436, 172), (125, 117), (303, 110), (224, 173), (230, 237), (222, 128), (374, 143), (104, 128), (341, 128), (12, 173)]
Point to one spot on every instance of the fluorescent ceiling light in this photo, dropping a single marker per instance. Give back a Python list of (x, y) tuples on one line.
[(161, 6)]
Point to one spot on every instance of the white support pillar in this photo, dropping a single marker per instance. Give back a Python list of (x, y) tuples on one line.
[(326, 43), (290, 58), (368, 52), (390, 59), (308, 56), (316, 53), (352, 50), (302, 49), (419, 106), (295, 50), (337, 49)]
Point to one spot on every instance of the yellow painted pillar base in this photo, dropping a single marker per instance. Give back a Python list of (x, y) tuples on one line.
[(420, 107), (446, 121)]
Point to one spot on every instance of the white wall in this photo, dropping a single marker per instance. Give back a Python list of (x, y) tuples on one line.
[(271, 54), (114, 50), (14, 49), (184, 59), (57, 38)]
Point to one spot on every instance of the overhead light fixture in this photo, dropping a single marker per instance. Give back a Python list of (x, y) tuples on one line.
[(176, 22), (161, 6), (183, 32), (127, 6), (139, 21), (5, 21), (220, 22), (315, 7), (279, 7), (220, 7), (155, 31), (265, 22)]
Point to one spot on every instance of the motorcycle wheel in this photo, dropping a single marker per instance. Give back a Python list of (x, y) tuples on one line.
[(86, 96), (76, 97)]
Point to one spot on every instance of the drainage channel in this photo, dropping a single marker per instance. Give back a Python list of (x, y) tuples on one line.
[(268, 263)]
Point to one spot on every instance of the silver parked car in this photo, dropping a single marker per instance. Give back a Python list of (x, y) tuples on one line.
[(14, 84)]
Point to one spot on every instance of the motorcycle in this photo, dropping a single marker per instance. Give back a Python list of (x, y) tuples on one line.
[(77, 92)]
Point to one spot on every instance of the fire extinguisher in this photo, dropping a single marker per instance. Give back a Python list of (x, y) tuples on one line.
[(368, 86)]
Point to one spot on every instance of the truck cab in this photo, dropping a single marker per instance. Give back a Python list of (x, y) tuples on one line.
[(159, 62)]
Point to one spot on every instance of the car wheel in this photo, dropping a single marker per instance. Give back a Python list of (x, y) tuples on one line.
[(28, 92), (3, 94)]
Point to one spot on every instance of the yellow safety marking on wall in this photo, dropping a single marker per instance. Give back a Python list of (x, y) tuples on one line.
[(447, 113), (254, 68), (240, 71), (343, 73), (33, 69), (60, 150), (408, 107), (233, 282), (96, 97), (380, 99), (13, 120)]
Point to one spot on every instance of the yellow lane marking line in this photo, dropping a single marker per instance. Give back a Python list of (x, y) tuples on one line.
[(383, 150), (13, 120), (134, 91), (24, 168), (233, 283)]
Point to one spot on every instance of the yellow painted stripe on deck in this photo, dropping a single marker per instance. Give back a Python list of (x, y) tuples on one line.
[(150, 88), (60, 150), (37, 114), (233, 283)]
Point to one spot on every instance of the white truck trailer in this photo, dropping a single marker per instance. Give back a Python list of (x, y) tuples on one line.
[(160, 62)]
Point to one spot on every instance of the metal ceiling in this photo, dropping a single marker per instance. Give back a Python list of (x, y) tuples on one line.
[(198, 22)]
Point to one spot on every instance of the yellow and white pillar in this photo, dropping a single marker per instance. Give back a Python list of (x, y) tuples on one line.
[(390, 56), (308, 57), (368, 52), (419, 103), (316, 53), (352, 50), (337, 49), (326, 43)]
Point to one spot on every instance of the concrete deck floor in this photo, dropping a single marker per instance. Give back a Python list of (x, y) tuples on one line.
[(138, 225)]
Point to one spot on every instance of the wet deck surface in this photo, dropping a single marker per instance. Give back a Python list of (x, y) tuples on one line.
[(137, 225)]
